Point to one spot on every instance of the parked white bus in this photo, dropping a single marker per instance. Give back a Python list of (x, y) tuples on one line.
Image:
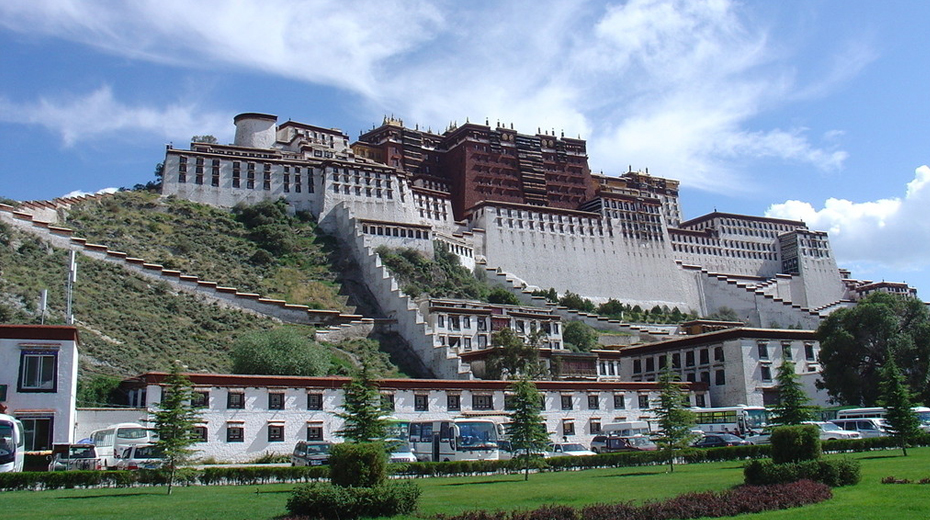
[(923, 414), (114, 439), (738, 420), (626, 429), (461, 438), (12, 444)]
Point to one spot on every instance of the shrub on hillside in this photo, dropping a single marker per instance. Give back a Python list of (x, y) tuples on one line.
[(834, 473), (321, 500), (795, 443)]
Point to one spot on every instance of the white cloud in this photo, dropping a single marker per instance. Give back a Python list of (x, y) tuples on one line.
[(893, 233), (99, 115), (673, 86), (80, 193)]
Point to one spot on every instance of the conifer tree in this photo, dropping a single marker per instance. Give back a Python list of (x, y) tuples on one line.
[(175, 420), (363, 413), (792, 407), (896, 398), (527, 430), (675, 419)]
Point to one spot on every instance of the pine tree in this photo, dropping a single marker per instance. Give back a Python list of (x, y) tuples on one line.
[(363, 414), (675, 419), (527, 430), (792, 407), (175, 420), (903, 423)]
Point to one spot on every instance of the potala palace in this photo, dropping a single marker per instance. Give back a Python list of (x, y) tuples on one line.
[(528, 206)]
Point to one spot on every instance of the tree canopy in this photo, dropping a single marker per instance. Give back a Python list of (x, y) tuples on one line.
[(895, 397), (174, 421), (527, 429), (856, 342), (283, 351), (579, 336), (675, 419), (792, 407), (512, 356), (362, 411)]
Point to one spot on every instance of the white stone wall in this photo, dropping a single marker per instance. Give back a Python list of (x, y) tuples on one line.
[(594, 264), (256, 132), (295, 417)]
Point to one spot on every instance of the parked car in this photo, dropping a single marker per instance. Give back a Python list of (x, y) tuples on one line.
[(311, 453), (760, 438), (141, 456), (865, 427), (831, 432), (400, 452), (608, 444), (66, 457), (717, 440), (567, 449)]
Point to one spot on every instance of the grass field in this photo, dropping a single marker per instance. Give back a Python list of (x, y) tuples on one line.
[(870, 500)]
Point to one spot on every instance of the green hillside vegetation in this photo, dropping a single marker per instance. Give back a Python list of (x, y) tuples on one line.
[(257, 249), (442, 277), (129, 324)]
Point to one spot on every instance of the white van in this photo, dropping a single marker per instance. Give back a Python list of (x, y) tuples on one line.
[(866, 427), (113, 440), (12, 444)]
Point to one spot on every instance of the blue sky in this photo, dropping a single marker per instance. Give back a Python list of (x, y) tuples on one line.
[(816, 110)]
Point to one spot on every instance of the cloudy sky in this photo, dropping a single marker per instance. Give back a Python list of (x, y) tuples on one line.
[(810, 109)]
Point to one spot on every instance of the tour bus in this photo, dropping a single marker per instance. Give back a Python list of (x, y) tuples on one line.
[(626, 429), (738, 420), (923, 414), (460, 438), (114, 439), (12, 444)]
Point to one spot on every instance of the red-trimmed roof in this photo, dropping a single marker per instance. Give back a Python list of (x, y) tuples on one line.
[(720, 336), (262, 381), (51, 332)]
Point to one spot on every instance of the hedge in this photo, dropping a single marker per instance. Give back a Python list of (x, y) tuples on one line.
[(833, 473), (324, 500), (262, 475)]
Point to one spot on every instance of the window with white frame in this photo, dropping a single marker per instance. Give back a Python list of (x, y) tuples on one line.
[(38, 371)]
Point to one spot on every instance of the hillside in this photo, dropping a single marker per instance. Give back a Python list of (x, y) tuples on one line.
[(130, 324), (265, 252)]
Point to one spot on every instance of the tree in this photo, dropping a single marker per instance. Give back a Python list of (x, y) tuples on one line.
[(503, 296), (363, 413), (175, 420), (282, 351), (208, 139), (580, 335), (792, 407), (527, 430), (512, 357), (99, 390), (724, 314), (895, 397), (856, 342), (675, 419)]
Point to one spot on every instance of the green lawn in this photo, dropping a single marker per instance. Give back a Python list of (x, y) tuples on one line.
[(868, 500)]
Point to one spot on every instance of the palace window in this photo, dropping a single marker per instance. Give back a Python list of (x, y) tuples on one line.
[(275, 433), (314, 401)]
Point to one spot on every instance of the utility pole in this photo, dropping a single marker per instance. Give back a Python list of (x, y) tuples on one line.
[(69, 288)]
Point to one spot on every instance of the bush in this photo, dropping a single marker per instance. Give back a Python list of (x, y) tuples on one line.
[(736, 501), (358, 464), (795, 443), (320, 500), (834, 473)]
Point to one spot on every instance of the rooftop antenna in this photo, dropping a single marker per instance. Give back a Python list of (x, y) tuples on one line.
[(43, 304), (69, 287)]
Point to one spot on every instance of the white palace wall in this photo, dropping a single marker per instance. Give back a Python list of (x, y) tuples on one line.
[(587, 261)]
